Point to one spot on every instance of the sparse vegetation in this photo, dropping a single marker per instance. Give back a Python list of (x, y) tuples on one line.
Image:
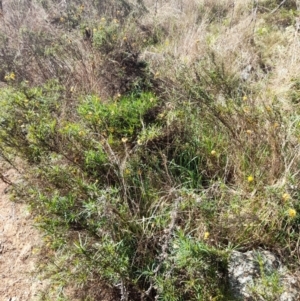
[(155, 136)]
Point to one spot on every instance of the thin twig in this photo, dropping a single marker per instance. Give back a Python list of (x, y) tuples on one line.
[(275, 9), (5, 179), (254, 14), (166, 238)]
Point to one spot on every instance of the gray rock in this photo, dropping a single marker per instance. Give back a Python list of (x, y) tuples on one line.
[(246, 72), (260, 276)]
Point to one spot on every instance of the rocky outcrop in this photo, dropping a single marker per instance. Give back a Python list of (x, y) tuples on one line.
[(260, 276)]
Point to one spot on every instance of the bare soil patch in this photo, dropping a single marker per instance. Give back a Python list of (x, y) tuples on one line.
[(19, 241)]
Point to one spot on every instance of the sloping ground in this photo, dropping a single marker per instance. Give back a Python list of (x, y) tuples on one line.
[(18, 243), (150, 192)]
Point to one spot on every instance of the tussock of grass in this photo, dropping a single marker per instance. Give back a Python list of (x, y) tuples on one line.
[(156, 136)]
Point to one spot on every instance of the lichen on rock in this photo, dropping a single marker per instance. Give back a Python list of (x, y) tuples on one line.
[(260, 276)]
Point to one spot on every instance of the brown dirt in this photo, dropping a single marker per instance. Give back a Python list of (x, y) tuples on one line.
[(20, 246), (18, 242)]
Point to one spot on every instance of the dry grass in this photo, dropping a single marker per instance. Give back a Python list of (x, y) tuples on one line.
[(241, 37), (238, 35)]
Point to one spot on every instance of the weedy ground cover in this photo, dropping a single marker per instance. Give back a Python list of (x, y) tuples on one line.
[(156, 137)]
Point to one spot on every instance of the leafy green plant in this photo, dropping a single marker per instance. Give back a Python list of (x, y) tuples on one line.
[(192, 271), (269, 286), (106, 35), (121, 118)]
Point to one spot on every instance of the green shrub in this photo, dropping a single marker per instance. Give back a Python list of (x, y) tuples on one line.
[(141, 181)]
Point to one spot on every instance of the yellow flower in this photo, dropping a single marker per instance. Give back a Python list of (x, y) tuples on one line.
[(292, 212), (246, 109), (249, 132), (250, 179), (213, 152), (35, 250), (124, 139), (102, 19), (10, 76), (206, 235), (139, 142), (268, 108), (286, 197), (37, 219), (245, 98)]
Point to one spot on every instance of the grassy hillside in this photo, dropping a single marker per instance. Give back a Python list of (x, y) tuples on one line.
[(155, 137)]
